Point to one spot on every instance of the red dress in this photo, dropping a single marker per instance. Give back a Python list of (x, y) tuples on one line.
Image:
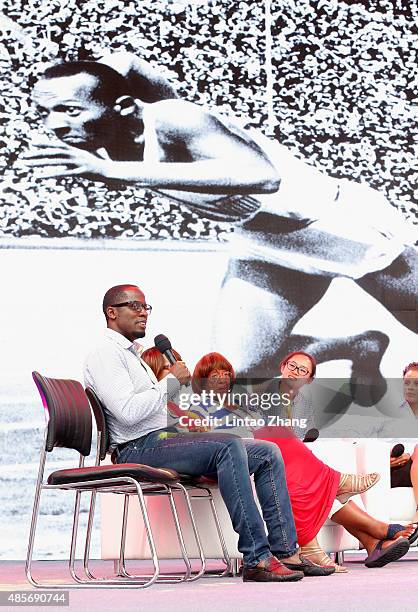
[(311, 483)]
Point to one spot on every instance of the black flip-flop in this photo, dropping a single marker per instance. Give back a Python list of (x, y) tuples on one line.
[(381, 556), (393, 529), (414, 535)]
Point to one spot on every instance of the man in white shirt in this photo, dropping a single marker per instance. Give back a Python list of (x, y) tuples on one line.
[(118, 374), (136, 410)]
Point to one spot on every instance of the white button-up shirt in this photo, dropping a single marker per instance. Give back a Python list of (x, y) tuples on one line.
[(135, 402)]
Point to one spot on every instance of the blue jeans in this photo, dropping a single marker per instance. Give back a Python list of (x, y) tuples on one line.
[(232, 460)]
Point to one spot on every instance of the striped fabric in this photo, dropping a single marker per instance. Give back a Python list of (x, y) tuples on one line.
[(136, 403)]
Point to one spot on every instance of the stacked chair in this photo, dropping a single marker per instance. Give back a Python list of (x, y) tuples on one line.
[(187, 513), (188, 488), (69, 425)]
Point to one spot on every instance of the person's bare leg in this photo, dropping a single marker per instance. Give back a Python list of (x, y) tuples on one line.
[(356, 520), (366, 540), (370, 347), (266, 301), (369, 542), (365, 350), (414, 480), (396, 287), (270, 300), (364, 527)]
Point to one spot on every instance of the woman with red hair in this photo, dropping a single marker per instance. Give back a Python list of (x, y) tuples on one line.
[(158, 362), (160, 365), (313, 486)]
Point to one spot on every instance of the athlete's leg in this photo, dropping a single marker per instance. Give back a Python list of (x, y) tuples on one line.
[(396, 287), (365, 528), (365, 350), (369, 347), (257, 309)]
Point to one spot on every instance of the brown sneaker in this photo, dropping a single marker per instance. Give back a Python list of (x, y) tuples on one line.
[(270, 570)]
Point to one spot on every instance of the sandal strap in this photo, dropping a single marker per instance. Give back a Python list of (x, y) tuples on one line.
[(324, 560), (358, 482), (393, 529), (317, 550)]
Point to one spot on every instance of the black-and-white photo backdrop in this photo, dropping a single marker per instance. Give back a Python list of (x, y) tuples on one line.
[(289, 220)]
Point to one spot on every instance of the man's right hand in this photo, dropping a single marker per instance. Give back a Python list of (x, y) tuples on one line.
[(60, 159), (181, 372)]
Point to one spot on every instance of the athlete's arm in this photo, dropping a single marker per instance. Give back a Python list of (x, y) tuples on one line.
[(199, 152), (145, 82)]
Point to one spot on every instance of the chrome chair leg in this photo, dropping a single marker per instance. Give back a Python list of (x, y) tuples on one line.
[(116, 567), (86, 560), (202, 557), (123, 537), (236, 564), (73, 546), (165, 578), (175, 577), (34, 519), (122, 579), (227, 559), (339, 557), (180, 537)]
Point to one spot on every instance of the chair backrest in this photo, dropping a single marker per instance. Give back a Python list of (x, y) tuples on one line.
[(99, 414), (68, 413)]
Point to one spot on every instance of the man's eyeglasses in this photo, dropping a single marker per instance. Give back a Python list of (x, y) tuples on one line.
[(138, 306), (294, 367)]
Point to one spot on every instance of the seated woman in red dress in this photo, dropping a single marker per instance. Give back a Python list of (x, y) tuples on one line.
[(316, 490), (313, 486)]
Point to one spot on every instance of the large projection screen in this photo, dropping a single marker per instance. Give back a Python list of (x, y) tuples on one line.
[(330, 81)]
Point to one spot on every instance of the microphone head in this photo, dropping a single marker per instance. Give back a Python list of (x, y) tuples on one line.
[(162, 343), (311, 435), (397, 450)]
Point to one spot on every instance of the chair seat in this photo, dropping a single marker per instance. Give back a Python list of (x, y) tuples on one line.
[(134, 470), (198, 481)]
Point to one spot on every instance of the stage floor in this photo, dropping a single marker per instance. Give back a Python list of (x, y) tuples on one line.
[(394, 587)]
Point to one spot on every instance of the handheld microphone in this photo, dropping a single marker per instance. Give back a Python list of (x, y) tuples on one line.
[(163, 344), (397, 450), (311, 435)]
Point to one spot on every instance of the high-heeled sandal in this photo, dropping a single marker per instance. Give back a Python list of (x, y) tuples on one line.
[(358, 484), (324, 559)]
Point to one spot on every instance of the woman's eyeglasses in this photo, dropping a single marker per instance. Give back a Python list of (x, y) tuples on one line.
[(300, 370)]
